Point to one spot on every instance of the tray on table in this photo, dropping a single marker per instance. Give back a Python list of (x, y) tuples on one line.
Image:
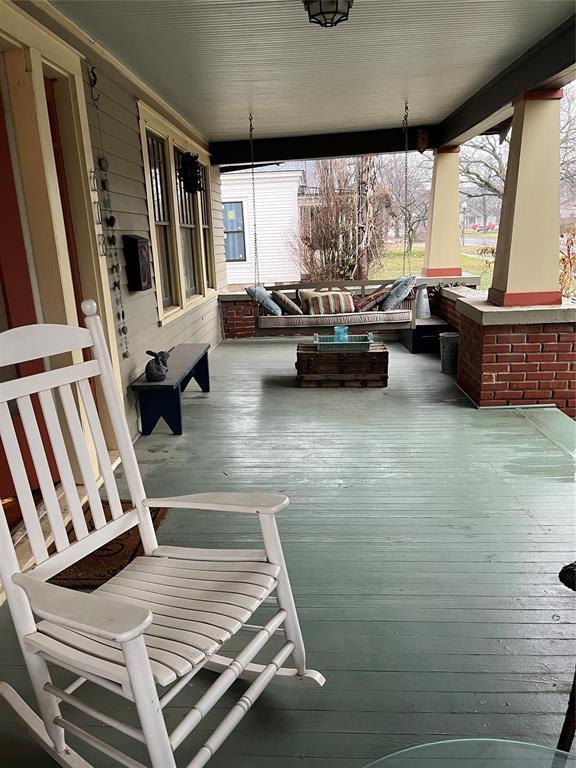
[(355, 343)]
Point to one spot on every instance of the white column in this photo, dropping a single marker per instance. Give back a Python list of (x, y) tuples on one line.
[(526, 268), (442, 252)]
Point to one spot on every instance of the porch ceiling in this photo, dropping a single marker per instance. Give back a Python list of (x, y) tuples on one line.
[(215, 60)]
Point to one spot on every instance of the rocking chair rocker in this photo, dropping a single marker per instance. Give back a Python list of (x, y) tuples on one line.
[(147, 632)]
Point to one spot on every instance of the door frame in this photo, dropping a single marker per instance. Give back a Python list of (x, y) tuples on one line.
[(30, 53)]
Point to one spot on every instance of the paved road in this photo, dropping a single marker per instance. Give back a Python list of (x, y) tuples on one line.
[(479, 240)]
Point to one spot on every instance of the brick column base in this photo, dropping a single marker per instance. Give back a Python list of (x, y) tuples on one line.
[(238, 319), (518, 364)]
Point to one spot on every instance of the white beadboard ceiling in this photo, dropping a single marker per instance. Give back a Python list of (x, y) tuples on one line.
[(215, 60)]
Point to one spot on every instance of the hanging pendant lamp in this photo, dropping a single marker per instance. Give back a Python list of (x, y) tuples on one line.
[(328, 13)]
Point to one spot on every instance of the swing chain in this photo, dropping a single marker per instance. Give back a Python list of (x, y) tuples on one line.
[(406, 256), (256, 265)]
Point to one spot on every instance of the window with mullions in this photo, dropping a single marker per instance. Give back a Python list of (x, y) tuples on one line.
[(159, 181), (234, 240), (188, 230)]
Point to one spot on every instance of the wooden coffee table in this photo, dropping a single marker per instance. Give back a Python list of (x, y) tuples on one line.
[(342, 369)]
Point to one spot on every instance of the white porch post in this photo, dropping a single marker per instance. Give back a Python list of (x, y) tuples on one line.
[(442, 252), (526, 269)]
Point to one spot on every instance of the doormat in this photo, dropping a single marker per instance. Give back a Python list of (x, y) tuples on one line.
[(98, 567)]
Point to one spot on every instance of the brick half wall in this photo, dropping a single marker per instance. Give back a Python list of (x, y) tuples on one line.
[(514, 364), (519, 364), (238, 319)]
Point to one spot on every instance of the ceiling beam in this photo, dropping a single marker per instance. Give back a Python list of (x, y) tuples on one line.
[(550, 61), (316, 145)]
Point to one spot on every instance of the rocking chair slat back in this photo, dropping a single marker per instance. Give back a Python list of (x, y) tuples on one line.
[(38, 453), (79, 441), (23, 491), (58, 407), (63, 463), (104, 463)]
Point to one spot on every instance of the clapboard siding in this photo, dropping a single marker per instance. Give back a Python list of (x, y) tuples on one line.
[(115, 133), (277, 221), (217, 228)]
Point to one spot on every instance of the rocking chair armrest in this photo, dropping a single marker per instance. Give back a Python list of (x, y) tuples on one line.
[(91, 614), (246, 503)]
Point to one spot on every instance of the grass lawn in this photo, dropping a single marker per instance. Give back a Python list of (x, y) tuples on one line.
[(391, 266)]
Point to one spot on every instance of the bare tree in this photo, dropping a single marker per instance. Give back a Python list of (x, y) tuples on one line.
[(568, 144), (409, 202), (344, 219), (483, 163), (568, 262), (326, 244), (483, 160)]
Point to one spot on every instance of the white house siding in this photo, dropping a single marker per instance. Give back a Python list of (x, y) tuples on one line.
[(277, 221), (117, 135)]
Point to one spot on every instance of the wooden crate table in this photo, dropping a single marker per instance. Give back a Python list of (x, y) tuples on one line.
[(342, 369)]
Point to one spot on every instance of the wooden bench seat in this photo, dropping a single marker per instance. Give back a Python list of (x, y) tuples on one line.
[(162, 399)]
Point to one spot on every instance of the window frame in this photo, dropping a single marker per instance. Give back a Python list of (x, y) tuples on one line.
[(167, 223), (235, 231), (175, 139), (193, 233)]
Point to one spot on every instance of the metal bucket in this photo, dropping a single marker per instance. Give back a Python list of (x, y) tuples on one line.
[(449, 342)]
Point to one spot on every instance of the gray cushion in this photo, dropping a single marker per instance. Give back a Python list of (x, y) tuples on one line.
[(261, 295), (357, 318), (286, 304), (400, 289)]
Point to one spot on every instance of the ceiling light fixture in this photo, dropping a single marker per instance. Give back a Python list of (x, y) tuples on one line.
[(328, 13)]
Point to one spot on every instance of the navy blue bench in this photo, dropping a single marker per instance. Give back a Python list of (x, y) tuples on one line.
[(161, 399)]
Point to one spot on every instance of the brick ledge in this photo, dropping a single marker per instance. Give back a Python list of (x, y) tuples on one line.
[(474, 305)]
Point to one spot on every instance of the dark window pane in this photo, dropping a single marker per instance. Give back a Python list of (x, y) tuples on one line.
[(207, 256), (188, 254), (233, 217), (234, 246), (186, 207), (204, 199), (163, 240), (158, 178), (187, 218), (161, 204)]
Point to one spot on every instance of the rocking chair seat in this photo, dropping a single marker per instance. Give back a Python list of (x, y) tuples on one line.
[(197, 606)]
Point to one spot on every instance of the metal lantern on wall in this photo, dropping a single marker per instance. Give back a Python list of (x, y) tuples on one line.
[(328, 13)]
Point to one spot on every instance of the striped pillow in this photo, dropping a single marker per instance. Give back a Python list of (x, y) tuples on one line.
[(366, 303), (329, 303), (286, 304)]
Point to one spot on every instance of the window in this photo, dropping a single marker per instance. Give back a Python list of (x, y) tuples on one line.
[(188, 230), (181, 233), (234, 240), (159, 181)]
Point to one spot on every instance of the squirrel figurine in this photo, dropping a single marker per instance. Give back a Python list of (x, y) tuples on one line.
[(157, 368)]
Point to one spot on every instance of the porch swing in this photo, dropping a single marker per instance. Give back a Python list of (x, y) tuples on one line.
[(402, 318), (155, 625)]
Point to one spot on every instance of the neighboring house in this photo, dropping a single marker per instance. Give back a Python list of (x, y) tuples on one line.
[(277, 191)]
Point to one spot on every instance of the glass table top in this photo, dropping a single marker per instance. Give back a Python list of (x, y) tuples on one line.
[(477, 753)]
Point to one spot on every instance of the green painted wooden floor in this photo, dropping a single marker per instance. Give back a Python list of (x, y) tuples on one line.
[(424, 541)]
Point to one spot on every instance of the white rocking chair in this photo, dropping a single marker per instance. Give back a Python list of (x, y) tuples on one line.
[(147, 632)]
